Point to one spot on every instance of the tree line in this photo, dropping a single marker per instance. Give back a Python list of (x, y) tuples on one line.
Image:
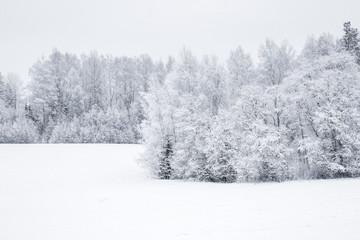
[(91, 99), (286, 117)]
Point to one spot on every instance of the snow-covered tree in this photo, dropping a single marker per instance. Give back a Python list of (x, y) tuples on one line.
[(220, 150), (11, 90), (275, 62), (241, 70), (315, 48), (49, 89), (326, 96), (261, 131), (158, 129), (93, 80)]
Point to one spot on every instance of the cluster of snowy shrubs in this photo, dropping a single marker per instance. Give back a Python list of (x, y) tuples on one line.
[(285, 118), (96, 126)]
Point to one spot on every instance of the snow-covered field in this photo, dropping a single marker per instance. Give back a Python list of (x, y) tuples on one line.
[(85, 192)]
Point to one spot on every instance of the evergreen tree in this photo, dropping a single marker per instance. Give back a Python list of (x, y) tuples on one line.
[(165, 169), (350, 41)]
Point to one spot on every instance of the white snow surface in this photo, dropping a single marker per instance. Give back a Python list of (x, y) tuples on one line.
[(98, 192)]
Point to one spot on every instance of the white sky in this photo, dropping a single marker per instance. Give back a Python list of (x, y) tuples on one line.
[(29, 29)]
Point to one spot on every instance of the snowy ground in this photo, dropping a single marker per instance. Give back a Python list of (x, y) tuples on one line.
[(85, 192)]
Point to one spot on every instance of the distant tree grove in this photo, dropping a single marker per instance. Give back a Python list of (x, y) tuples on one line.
[(286, 117)]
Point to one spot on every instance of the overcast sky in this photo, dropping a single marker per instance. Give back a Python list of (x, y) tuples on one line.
[(31, 28)]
